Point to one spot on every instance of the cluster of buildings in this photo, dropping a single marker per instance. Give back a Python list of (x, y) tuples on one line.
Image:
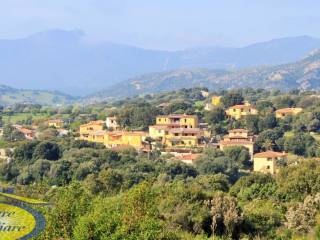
[(98, 131), (176, 131), (181, 134), (30, 133)]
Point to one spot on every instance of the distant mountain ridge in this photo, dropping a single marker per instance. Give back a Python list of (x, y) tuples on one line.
[(10, 96), (64, 61), (303, 74)]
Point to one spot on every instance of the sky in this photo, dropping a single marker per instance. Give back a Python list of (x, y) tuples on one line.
[(164, 24)]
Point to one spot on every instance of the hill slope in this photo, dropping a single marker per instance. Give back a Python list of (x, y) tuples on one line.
[(10, 96), (64, 61), (304, 74)]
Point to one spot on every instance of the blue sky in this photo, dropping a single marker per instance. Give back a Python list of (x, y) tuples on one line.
[(164, 24)]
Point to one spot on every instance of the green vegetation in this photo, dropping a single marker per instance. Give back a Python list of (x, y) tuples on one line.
[(10, 96), (98, 193)]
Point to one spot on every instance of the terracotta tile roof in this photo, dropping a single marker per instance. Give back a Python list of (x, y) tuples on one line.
[(177, 116), (235, 142), (162, 126), (190, 157), (239, 130), (269, 154), (241, 106), (289, 110), (26, 131), (121, 133)]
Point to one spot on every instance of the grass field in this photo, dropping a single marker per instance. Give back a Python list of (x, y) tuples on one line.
[(22, 116)]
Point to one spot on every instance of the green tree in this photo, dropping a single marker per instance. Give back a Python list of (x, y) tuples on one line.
[(238, 154), (226, 216), (47, 150), (215, 116), (232, 98)]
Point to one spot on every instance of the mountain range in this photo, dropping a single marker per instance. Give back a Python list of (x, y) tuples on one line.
[(65, 61), (303, 74)]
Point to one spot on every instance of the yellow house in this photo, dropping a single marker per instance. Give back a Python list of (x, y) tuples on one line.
[(266, 162), (238, 137), (238, 111), (158, 132), (57, 123), (216, 100), (183, 137), (178, 121), (177, 130), (120, 138), (98, 137), (282, 113), (87, 130)]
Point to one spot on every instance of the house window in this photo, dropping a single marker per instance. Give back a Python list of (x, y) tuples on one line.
[(268, 167)]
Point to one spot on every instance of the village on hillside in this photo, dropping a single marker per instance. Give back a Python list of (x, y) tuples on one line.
[(256, 150), (186, 136)]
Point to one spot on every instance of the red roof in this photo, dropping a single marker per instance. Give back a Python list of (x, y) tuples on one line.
[(269, 154), (177, 116), (242, 106), (190, 157), (235, 142), (162, 126), (239, 130), (288, 110)]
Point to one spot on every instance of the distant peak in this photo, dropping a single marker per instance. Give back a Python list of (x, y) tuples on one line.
[(58, 35)]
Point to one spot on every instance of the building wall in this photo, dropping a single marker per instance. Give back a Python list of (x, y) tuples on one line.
[(239, 134), (125, 138), (87, 129), (237, 113), (294, 111), (264, 165), (56, 124), (216, 100), (157, 133), (189, 121)]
